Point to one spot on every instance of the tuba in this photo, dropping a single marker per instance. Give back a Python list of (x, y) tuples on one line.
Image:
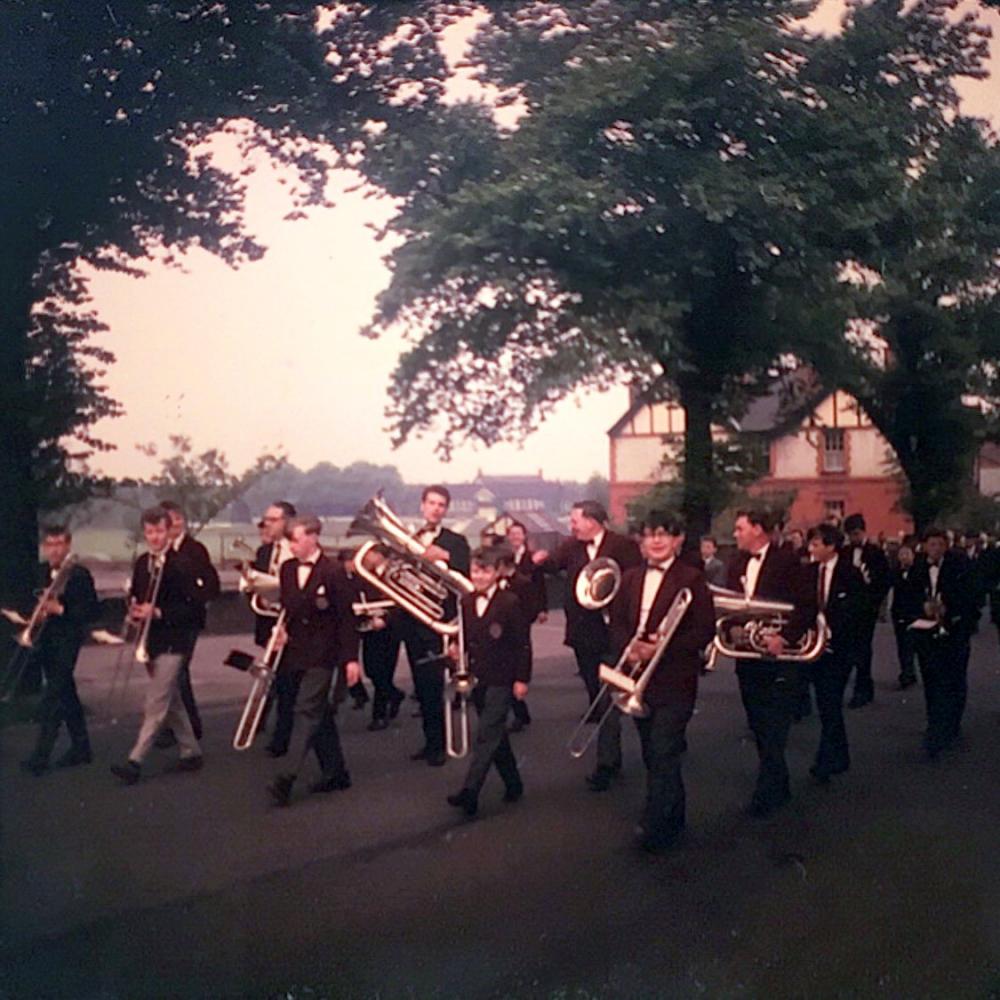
[(743, 628), (396, 565)]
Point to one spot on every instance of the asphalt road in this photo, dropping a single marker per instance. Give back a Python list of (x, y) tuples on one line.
[(885, 883)]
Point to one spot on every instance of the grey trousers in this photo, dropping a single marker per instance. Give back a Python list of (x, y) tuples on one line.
[(492, 746), (164, 707)]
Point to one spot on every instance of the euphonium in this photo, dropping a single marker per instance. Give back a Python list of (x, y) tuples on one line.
[(742, 631), (597, 583), (264, 588)]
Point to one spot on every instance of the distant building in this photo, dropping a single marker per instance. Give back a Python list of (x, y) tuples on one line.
[(833, 459)]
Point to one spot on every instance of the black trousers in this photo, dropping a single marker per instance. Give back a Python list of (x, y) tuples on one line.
[(829, 675), (609, 739), (380, 652), (423, 650), (492, 745), (284, 695), (317, 722), (770, 690), (906, 651), (60, 702), (944, 667), (861, 655), (663, 741)]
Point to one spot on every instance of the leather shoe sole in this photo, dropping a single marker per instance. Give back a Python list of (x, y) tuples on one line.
[(127, 774), (190, 764)]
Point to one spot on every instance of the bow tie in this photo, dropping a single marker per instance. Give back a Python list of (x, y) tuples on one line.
[(659, 567), (755, 555)]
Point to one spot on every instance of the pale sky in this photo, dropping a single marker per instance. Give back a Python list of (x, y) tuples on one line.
[(269, 357)]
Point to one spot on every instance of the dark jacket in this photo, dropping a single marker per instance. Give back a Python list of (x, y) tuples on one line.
[(322, 632), (676, 678), (907, 594), (179, 601), (533, 597), (781, 578), (587, 629), (875, 573), (845, 603), (199, 567), (956, 590), (80, 607), (497, 643)]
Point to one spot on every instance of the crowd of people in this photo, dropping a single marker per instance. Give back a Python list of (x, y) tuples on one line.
[(837, 582)]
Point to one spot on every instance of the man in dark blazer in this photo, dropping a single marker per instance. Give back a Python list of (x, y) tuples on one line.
[(496, 644), (770, 687), (646, 595), (840, 597), (943, 650), (193, 560), (907, 606), (320, 648), (586, 630), (424, 647), (67, 616), (869, 559)]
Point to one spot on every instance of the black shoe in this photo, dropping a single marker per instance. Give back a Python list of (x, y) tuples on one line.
[(651, 843), (75, 756), (465, 800), (376, 724), (395, 700), (280, 789), (275, 750), (600, 780), (762, 808), (165, 740), (35, 765), (421, 754), (820, 775), (360, 702), (516, 726), (513, 793), (127, 773), (906, 682), (860, 700), (195, 763), (438, 759), (335, 784)]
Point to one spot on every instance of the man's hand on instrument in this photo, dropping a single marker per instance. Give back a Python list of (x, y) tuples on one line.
[(140, 612), (353, 672), (436, 554), (280, 636), (641, 651), (453, 652), (543, 617), (775, 644), (520, 690), (539, 556), (54, 606)]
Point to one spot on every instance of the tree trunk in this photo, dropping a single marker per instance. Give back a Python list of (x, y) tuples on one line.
[(18, 497), (699, 468)]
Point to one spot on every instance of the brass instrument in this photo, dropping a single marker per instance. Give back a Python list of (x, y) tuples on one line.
[(629, 683), (263, 671), (396, 565), (28, 635), (597, 583), (370, 613), (159, 561), (741, 632), (264, 588)]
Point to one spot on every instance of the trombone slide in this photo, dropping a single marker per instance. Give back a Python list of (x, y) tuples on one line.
[(263, 672)]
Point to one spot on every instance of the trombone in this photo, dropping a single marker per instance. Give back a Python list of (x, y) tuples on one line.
[(629, 684), (263, 672), (28, 635)]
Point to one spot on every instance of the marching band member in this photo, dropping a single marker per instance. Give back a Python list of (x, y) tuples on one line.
[(320, 655), (586, 630), (770, 687), (869, 559), (907, 607), (195, 561), (57, 648), (171, 617), (496, 645), (423, 645), (639, 607)]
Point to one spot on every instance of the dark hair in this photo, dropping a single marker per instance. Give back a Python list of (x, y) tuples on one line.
[(592, 509), (827, 534), (57, 530), (935, 532), (155, 515), (516, 524), (286, 507), (854, 522), (670, 522), (172, 507), (710, 538), (441, 491), (758, 516), (310, 522), (505, 555), (488, 556)]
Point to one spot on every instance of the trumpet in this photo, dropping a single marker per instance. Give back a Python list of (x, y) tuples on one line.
[(742, 631), (28, 635), (396, 565), (629, 684), (263, 672), (264, 588)]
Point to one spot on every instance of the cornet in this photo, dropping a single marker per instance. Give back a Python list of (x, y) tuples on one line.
[(629, 683)]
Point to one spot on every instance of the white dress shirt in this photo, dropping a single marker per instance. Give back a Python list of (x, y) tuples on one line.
[(304, 569), (753, 571), (651, 583), (483, 601), (594, 545)]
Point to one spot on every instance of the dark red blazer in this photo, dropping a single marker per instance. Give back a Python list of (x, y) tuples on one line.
[(321, 626), (587, 629), (676, 678)]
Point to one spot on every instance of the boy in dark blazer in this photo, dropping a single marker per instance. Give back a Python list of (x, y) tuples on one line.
[(645, 596), (907, 607), (496, 645)]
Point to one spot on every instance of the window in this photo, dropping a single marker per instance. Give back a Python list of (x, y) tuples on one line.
[(834, 509), (834, 457)]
